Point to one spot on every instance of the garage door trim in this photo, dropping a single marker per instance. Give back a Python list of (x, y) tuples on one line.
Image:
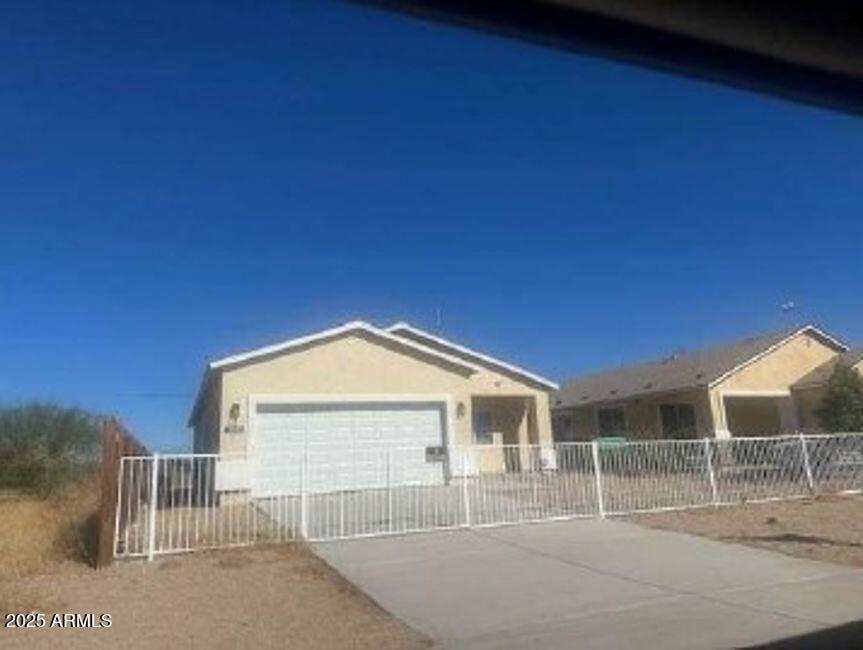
[(254, 400)]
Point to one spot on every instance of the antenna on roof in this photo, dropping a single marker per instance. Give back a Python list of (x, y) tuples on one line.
[(788, 309)]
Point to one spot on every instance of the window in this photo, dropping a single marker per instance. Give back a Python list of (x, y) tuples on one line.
[(612, 421), (482, 428), (678, 420), (561, 427)]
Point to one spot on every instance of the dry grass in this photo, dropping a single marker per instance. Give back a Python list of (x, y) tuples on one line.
[(216, 526), (826, 528), (259, 597), (263, 597), (41, 533)]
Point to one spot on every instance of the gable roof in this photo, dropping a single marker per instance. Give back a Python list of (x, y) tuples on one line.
[(358, 326), (821, 374), (409, 332), (347, 328), (700, 368)]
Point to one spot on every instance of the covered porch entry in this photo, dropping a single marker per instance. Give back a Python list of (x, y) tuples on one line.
[(757, 413), (503, 427)]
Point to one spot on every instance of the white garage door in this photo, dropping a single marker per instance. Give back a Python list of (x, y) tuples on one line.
[(348, 446)]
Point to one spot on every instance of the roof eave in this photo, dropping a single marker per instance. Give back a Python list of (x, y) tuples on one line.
[(628, 396), (353, 326), (401, 325), (760, 355)]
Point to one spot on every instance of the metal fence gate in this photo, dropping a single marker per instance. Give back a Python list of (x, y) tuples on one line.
[(185, 502)]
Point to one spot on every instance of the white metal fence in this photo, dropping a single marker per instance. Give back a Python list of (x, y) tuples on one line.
[(184, 502)]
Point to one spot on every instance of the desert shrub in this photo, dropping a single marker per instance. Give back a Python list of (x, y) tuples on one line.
[(45, 446), (842, 407)]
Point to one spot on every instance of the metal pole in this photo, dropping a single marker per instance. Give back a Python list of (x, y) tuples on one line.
[(806, 464), (116, 539), (533, 469), (154, 504), (464, 492), (304, 496), (597, 473), (710, 472), (389, 491)]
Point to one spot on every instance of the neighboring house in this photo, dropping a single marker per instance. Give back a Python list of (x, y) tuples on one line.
[(747, 388), (345, 394)]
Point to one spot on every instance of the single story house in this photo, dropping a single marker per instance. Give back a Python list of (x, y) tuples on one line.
[(343, 395), (750, 387)]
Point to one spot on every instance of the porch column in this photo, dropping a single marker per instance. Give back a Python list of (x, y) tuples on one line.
[(542, 411), (525, 452), (720, 417), (523, 425)]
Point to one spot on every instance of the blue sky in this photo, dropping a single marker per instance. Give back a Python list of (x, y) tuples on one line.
[(188, 180)]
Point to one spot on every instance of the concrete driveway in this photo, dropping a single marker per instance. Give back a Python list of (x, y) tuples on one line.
[(595, 584)]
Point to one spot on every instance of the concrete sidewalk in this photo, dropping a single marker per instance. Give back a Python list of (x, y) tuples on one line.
[(595, 584)]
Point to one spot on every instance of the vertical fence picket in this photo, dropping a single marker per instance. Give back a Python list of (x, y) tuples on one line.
[(597, 476), (121, 477), (304, 493), (711, 473), (807, 465), (154, 505), (390, 525), (465, 494)]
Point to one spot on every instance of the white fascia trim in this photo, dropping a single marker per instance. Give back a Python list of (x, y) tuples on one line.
[(775, 346), (483, 357), (839, 344), (337, 331)]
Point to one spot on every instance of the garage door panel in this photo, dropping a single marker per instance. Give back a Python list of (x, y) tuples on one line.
[(349, 446)]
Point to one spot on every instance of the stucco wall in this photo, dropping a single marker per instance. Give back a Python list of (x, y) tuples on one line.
[(781, 367), (207, 425), (360, 365)]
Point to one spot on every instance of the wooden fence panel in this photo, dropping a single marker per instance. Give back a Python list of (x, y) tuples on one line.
[(116, 443)]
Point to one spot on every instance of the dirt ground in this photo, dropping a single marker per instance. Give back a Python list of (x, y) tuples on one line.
[(824, 528), (263, 597)]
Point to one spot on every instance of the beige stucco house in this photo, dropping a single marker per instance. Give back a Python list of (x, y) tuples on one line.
[(347, 391), (748, 388)]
